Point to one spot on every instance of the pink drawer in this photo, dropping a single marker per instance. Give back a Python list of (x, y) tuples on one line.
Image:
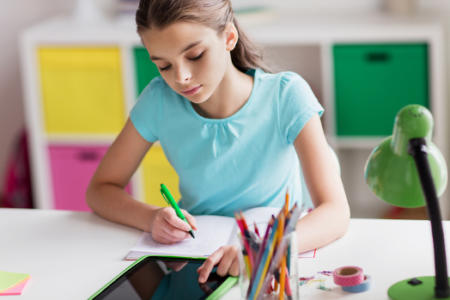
[(72, 168)]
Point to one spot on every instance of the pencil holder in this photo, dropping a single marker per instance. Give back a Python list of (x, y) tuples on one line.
[(261, 274)]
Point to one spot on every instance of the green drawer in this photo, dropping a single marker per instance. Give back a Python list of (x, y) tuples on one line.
[(373, 82), (145, 69)]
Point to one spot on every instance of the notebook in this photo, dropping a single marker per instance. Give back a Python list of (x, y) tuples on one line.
[(213, 232)]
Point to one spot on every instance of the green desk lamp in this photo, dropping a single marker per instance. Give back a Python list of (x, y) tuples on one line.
[(408, 170)]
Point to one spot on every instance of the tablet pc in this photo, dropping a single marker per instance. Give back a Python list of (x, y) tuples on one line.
[(164, 277)]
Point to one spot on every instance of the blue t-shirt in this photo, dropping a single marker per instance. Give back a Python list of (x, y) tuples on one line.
[(243, 161)]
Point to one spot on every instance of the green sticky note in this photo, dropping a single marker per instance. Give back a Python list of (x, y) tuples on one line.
[(10, 279)]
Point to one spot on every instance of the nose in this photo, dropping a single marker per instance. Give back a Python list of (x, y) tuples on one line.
[(183, 75)]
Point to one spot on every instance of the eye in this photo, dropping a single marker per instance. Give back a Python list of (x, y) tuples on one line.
[(197, 57), (164, 68)]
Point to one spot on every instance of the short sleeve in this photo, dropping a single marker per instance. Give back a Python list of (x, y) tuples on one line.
[(146, 112), (297, 104)]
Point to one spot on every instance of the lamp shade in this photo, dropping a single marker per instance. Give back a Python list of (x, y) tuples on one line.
[(391, 172)]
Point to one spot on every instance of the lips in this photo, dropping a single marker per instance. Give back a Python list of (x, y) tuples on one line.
[(191, 91)]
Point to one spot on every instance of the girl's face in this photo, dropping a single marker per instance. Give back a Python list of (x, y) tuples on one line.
[(192, 58)]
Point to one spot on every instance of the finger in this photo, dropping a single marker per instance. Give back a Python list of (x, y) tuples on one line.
[(171, 217), (206, 268), (161, 238), (166, 241), (234, 270), (226, 261), (165, 233), (173, 234), (190, 219)]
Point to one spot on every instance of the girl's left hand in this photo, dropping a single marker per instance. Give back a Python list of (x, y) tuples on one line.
[(228, 263)]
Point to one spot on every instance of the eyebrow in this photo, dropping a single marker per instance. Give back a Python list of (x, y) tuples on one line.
[(191, 45)]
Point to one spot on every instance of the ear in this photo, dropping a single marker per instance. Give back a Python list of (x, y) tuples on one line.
[(231, 36)]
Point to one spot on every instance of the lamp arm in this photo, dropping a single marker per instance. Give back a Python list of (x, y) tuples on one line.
[(418, 150)]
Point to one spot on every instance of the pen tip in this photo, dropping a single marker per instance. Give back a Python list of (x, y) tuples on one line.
[(192, 233)]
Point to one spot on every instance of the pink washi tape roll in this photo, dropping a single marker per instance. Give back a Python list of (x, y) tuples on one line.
[(348, 276)]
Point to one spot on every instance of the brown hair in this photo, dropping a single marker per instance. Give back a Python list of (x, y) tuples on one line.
[(215, 14)]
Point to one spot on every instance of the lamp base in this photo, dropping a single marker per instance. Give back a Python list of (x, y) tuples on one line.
[(420, 288)]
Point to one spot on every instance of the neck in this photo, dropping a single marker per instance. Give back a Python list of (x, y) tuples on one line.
[(232, 93)]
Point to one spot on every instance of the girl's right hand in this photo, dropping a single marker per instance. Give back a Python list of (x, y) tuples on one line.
[(168, 228)]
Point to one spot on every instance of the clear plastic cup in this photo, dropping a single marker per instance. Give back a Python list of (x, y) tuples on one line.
[(287, 248)]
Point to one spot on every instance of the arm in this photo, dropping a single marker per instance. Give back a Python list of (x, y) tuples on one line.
[(106, 194), (329, 220), (107, 197)]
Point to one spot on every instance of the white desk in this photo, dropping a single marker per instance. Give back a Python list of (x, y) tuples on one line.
[(70, 255)]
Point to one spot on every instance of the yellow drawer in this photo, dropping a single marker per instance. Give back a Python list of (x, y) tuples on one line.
[(82, 90), (156, 170)]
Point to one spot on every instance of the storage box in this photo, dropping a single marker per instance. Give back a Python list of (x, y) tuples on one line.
[(373, 82)]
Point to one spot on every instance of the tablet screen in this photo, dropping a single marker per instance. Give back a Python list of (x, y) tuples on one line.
[(162, 278)]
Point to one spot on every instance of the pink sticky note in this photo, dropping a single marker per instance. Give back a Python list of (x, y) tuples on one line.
[(15, 290)]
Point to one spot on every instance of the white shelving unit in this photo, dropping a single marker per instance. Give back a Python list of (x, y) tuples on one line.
[(291, 42)]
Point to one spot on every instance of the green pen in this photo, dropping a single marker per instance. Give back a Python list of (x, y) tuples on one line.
[(169, 199)]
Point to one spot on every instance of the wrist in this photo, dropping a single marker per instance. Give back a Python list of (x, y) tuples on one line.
[(150, 217)]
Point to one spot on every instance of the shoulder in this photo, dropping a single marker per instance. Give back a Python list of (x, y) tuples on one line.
[(284, 82), (283, 78), (147, 113), (292, 82)]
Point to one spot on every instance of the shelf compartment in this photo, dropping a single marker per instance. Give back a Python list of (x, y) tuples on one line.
[(72, 168), (373, 82), (156, 170), (82, 89), (145, 69)]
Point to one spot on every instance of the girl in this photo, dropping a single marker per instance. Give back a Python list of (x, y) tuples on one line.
[(233, 132)]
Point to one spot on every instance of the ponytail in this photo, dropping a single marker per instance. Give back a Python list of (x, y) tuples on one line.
[(246, 55)]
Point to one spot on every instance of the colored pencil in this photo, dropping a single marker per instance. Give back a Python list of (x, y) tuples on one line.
[(263, 243), (256, 229), (286, 204), (268, 249), (288, 284), (280, 252), (282, 277), (245, 241), (273, 247)]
